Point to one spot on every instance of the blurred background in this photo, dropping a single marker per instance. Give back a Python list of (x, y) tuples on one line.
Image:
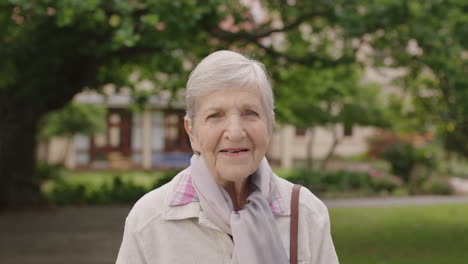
[(371, 108)]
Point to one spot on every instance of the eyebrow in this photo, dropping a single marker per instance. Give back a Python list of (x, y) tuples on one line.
[(219, 108), (212, 109)]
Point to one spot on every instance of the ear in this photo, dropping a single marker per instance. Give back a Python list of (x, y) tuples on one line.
[(189, 129)]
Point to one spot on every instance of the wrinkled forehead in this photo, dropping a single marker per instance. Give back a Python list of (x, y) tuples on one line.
[(230, 93)]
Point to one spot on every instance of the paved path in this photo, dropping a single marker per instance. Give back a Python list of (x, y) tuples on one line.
[(396, 201), (83, 235), (92, 235)]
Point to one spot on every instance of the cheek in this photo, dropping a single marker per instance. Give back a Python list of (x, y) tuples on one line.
[(208, 138), (260, 138)]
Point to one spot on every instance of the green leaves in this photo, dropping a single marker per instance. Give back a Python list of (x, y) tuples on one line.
[(75, 118), (150, 19), (114, 20), (65, 45), (65, 17)]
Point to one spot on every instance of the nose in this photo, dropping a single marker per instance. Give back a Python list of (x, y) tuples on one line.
[(234, 129)]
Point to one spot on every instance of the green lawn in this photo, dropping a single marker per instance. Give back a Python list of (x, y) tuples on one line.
[(390, 235), (401, 235)]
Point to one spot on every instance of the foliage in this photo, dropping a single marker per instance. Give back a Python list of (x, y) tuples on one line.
[(457, 167), (437, 185), (431, 46), (51, 50), (420, 173), (118, 190), (67, 194), (327, 96), (75, 118), (403, 157), (47, 172), (385, 183), (323, 182), (403, 151), (166, 177)]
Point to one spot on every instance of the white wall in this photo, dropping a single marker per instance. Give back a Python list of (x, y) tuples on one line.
[(287, 147)]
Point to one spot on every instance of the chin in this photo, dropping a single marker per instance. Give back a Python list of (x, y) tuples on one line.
[(233, 174)]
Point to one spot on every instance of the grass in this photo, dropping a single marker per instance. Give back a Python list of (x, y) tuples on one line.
[(390, 235), (401, 235)]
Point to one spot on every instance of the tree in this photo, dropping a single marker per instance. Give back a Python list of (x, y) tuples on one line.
[(429, 41), (74, 118), (51, 50), (328, 97)]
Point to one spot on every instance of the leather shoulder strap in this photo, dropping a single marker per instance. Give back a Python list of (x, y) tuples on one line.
[(294, 224)]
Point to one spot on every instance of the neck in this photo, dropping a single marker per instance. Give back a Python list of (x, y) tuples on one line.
[(239, 192)]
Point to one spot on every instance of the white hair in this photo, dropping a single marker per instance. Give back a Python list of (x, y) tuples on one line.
[(226, 70)]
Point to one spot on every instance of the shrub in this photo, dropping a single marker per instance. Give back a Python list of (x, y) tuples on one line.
[(403, 152), (346, 182), (324, 181), (45, 172), (418, 176), (166, 177), (400, 191), (115, 191), (64, 193), (437, 185), (387, 183), (403, 157)]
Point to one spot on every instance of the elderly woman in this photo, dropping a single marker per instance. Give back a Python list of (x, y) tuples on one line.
[(227, 206)]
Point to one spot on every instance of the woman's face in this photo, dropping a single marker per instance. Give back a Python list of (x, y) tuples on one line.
[(230, 130)]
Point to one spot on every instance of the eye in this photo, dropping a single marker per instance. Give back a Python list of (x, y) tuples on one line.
[(215, 115), (251, 113)]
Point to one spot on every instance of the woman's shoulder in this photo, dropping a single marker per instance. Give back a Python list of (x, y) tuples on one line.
[(153, 204), (309, 203)]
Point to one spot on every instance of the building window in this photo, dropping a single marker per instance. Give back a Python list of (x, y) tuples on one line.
[(82, 143), (157, 130), (348, 130), (301, 131), (137, 138), (175, 137)]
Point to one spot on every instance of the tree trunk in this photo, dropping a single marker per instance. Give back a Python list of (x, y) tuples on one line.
[(68, 144), (19, 187), (310, 132), (331, 151)]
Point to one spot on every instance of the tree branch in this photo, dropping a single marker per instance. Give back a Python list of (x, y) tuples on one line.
[(255, 36), (131, 52), (308, 60), (261, 33)]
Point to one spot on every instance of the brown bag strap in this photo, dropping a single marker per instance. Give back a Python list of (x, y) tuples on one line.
[(294, 224)]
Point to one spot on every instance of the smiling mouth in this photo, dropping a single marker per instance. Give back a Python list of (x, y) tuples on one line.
[(234, 151)]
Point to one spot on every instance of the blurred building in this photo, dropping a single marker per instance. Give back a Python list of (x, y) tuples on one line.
[(155, 138)]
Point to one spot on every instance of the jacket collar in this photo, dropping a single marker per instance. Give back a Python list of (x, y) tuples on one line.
[(182, 200)]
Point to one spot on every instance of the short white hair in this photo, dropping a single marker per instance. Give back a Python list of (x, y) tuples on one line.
[(226, 69)]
